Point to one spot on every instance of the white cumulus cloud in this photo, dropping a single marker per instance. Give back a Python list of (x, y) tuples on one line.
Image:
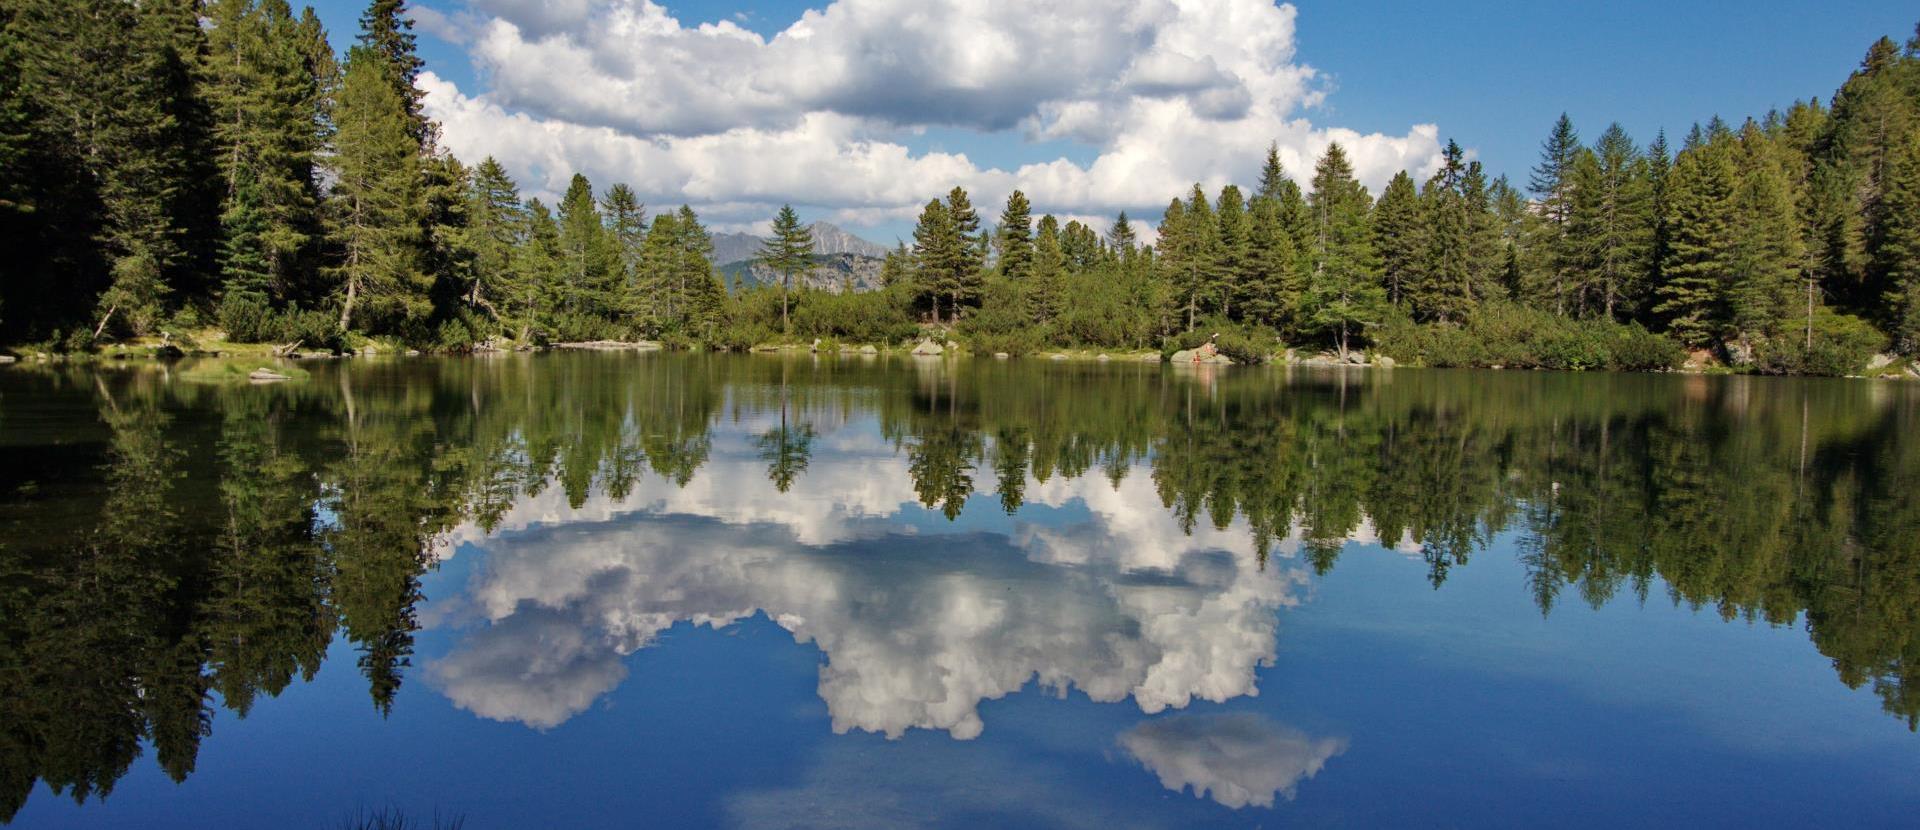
[(1163, 92)]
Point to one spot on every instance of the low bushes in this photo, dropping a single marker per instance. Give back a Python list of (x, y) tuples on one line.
[(1842, 345), (1513, 336)]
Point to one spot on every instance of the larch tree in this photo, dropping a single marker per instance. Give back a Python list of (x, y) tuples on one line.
[(376, 207), (789, 251)]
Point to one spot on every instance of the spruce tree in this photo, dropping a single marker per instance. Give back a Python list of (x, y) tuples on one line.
[(970, 251), (1550, 184), (387, 31), (626, 226), (1444, 289), (1767, 255), (789, 251), (1121, 237), (264, 103), (1343, 290), (1896, 246), (1610, 225), (1397, 235), (1273, 178), (938, 256), (496, 226), (1699, 248), (1270, 296), (1047, 296), (1233, 268), (1015, 237)]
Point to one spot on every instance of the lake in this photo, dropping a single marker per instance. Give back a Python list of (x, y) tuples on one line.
[(615, 590)]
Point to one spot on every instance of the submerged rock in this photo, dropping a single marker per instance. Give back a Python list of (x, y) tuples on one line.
[(265, 375)]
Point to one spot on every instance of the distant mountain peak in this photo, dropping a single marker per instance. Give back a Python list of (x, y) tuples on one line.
[(828, 239)]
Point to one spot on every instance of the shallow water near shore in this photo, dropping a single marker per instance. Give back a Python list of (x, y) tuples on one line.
[(619, 589)]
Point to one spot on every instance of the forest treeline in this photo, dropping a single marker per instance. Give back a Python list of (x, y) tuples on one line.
[(203, 545), (175, 166)]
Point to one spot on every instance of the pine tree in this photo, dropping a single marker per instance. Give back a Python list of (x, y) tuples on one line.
[(1701, 221), (1343, 290), (592, 289), (1015, 237), (789, 251), (377, 209), (1194, 266), (1397, 235)]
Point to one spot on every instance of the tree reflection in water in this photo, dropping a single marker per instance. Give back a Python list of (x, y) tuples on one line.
[(165, 545)]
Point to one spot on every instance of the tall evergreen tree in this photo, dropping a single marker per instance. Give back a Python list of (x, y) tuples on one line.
[(1047, 296), (387, 31), (377, 209), (1896, 245), (1271, 293), (1343, 290), (1233, 271), (1701, 221), (1398, 230), (626, 221), (1551, 186), (789, 251), (1273, 178), (1015, 237), (1763, 277), (938, 256), (496, 228), (1610, 225)]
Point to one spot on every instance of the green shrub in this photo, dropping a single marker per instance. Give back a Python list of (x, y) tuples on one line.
[(247, 319), (1244, 342), (1842, 345), (1001, 323), (311, 329), (1515, 336)]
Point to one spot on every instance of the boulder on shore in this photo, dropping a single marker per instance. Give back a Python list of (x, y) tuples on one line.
[(1879, 361), (869, 349), (1200, 357), (928, 347), (1384, 362)]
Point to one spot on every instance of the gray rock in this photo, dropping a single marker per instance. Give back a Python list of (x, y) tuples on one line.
[(928, 347), (1103, 357), (1057, 356), (1356, 358), (1879, 361), (265, 375), (1384, 362), (1001, 355), (869, 349)]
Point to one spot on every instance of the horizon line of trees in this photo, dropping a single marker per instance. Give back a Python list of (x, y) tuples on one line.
[(174, 164)]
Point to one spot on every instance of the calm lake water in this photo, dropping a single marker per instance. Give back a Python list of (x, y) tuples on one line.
[(616, 590)]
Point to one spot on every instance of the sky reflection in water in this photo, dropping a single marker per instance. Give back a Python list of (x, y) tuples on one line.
[(987, 593)]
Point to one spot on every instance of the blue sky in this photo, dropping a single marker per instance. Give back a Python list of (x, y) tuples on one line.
[(574, 87)]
